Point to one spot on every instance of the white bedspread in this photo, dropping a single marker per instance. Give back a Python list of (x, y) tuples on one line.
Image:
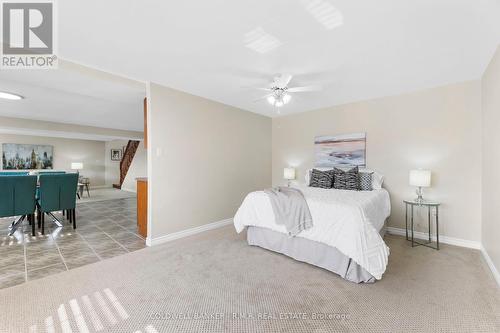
[(347, 220)]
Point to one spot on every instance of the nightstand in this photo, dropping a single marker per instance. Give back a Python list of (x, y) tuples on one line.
[(431, 206)]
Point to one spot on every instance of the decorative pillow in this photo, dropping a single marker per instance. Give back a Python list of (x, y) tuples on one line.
[(346, 180), (321, 179), (307, 176), (377, 178), (365, 181)]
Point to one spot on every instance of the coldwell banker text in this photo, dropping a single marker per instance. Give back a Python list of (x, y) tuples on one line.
[(28, 32)]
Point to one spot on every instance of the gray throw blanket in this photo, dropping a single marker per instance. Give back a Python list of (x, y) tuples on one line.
[(290, 209)]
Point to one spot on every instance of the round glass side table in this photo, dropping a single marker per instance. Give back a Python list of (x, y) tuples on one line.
[(409, 209)]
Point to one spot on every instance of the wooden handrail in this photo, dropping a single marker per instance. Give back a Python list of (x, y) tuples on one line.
[(128, 157)]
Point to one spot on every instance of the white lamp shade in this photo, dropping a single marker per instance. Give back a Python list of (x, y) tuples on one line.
[(420, 178), (289, 173), (76, 166)]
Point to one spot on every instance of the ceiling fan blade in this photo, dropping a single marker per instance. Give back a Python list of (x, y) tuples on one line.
[(305, 89), (282, 80), (257, 88), (262, 98)]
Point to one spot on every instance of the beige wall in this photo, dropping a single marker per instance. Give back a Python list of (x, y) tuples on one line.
[(91, 153), (438, 129), (138, 168), (204, 158), (491, 160)]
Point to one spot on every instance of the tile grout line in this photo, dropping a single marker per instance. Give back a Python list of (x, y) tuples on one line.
[(25, 259), (36, 269), (60, 253), (88, 244), (104, 232), (130, 232)]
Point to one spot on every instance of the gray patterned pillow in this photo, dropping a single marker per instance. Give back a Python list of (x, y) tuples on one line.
[(365, 181), (321, 179), (346, 179)]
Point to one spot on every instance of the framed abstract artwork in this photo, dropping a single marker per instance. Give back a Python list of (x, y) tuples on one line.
[(26, 156), (339, 150)]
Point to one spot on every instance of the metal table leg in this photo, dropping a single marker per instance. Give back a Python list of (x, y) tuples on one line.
[(437, 227), (406, 219), (429, 221), (412, 233), (55, 220), (15, 224)]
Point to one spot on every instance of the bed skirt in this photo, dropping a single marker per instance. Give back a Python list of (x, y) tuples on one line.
[(309, 251)]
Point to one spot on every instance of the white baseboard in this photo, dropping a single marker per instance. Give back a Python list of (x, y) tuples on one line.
[(442, 239), (187, 232), (128, 190), (97, 187), (491, 265)]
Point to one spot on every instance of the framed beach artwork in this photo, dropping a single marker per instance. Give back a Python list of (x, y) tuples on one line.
[(27, 157), (340, 150)]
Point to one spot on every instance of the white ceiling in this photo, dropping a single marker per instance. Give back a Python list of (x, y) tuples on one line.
[(214, 48), (74, 94), (356, 49)]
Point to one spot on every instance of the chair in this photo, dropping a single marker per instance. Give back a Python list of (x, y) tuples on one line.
[(85, 183), (14, 173), (51, 173), (17, 198), (57, 193)]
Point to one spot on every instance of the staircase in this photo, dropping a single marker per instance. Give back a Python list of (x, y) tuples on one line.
[(128, 157)]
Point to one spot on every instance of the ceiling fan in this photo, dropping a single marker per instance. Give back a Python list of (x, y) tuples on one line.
[(279, 91)]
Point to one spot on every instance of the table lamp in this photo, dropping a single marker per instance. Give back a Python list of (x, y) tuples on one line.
[(77, 166), (289, 174), (420, 178)]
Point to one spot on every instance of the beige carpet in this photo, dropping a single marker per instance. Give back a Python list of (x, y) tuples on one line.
[(214, 282)]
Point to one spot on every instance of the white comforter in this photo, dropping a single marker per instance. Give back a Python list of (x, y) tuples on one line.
[(347, 220)]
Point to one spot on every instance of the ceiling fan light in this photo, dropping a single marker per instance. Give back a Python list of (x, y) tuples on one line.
[(271, 100), (286, 98), (278, 104)]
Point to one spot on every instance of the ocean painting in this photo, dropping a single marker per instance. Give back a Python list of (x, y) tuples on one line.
[(340, 150), (26, 157)]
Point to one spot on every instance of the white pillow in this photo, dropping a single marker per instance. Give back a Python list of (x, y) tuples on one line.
[(377, 178)]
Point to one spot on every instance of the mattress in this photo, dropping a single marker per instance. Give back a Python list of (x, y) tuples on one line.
[(348, 221)]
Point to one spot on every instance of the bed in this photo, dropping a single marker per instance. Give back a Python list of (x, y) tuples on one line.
[(346, 238)]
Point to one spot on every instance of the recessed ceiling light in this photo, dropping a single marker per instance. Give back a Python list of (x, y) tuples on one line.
[(6, 95)]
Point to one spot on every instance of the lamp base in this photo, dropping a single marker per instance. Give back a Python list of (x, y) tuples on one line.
[(420, 194)]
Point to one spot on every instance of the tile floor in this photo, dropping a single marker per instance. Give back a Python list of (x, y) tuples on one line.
[(105, 229)]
